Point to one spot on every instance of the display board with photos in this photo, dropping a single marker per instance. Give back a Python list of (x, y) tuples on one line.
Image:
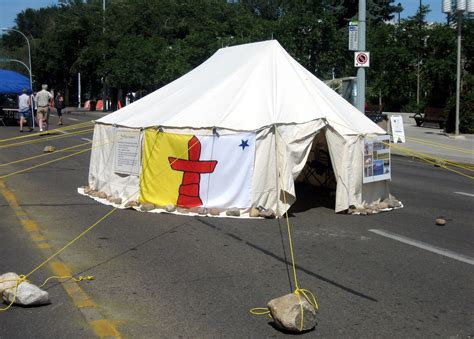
[(376, 158)]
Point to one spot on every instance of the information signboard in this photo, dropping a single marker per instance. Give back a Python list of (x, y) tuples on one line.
[(376, 158), (127, 151), (396, 128), (353, 36)]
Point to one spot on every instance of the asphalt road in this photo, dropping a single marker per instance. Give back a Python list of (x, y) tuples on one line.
[(159, 275)]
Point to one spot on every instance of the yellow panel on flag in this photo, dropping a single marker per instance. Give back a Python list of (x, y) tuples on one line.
[(159, 183), (193, 170)]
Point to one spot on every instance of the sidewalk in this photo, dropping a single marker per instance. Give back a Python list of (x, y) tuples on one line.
[(432, 141), (82, 111)]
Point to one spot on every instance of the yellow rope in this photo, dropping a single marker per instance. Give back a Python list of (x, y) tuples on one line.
[(421, 156), (80, 278), (436, 163), (45, 163), (47, 138), (298, 291), (459, 149), (309, 296), (261, 311), (23, 278), (66, 128), (44, 155), (438, 160), (71, 242)]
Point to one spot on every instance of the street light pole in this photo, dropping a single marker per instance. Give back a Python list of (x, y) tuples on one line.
[(15, 60), (458, 74), (29, 52), (462, 7), (29, 69)]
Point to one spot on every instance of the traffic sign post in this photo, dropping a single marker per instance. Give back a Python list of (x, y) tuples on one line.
[(362, 59), (360, 101)]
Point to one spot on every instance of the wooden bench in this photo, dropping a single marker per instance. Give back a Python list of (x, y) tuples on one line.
[(373, 109), (431, 114)]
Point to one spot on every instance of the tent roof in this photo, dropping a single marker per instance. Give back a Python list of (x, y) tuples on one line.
[(244, 87), (13, 82)]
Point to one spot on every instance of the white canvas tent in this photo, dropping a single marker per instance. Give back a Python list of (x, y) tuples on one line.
[(255, 88)]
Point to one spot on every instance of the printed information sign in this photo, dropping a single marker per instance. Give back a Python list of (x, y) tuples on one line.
[(376, 158), (353, 36), (397, 130), (127, 151)]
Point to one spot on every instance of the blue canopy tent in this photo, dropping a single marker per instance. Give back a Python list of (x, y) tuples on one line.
[(13, 82)]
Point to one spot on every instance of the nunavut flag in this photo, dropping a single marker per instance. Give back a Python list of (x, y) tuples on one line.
[(193, 170)]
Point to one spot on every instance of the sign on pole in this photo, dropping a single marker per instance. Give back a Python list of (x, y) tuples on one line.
[(353, 35), (362, 59)]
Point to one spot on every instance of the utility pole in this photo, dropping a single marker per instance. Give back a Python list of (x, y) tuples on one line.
[(104, 90), (360, 104), (462, 7), (458, 73), (418, 62)]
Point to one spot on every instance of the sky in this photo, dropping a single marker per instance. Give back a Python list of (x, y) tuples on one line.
[(9, 9)]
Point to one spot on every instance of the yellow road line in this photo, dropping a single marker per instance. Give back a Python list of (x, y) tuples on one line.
[(101, 326)]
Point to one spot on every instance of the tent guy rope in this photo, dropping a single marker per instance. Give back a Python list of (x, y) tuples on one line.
[(23, 278)]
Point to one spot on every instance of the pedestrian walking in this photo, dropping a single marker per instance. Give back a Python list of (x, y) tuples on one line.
[(59, 105), (43, 100), (24, 109), (34, 108)]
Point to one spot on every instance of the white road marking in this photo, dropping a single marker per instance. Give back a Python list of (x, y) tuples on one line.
[(425, 246), (86, 139), (61, 131), (73, 119), (466, 194)]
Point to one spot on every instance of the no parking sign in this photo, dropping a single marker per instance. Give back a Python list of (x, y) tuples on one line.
[(362, 59)]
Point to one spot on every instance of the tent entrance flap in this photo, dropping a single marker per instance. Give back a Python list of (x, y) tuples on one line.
[(319, 170)]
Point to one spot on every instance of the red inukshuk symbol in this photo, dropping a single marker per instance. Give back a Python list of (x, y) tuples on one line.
[(192, 168)]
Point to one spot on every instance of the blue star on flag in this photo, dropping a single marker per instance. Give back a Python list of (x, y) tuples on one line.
[(244, 143)]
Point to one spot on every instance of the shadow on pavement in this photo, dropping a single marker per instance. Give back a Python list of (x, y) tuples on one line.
[(287, 263)]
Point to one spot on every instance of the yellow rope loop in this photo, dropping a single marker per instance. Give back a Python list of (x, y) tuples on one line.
[(261, 311), (21, 278), (80, 278), (310, 298), (301, 308)]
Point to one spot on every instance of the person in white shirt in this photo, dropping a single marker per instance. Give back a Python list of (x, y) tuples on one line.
[(24, 105), (43, 100)]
